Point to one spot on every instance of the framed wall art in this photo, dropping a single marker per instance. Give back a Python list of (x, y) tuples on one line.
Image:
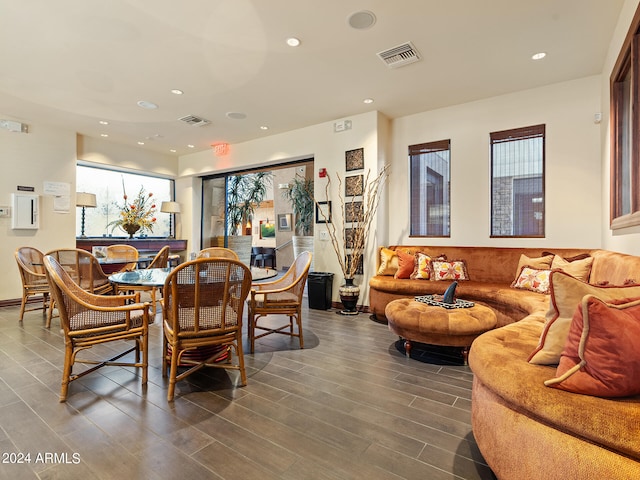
[(323, 212), (354, 159), (353, 212), (353, 185), (284, 222)]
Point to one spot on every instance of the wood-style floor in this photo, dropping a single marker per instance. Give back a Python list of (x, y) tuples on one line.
[(348, 406)]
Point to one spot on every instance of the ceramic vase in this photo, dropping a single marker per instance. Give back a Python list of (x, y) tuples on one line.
[(349, 294), (131, 228)]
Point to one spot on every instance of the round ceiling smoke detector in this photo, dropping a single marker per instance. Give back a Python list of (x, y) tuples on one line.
[(362, 19)]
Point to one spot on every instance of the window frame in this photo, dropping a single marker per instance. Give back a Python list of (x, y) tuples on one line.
[(512, 135), (414, 151), (628, 62)]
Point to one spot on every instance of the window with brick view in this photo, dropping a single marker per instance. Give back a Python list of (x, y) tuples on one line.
[(430, 171), (517, 182)]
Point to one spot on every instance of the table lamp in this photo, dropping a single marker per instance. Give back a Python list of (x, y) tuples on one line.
[(170, 208), (85, 200)]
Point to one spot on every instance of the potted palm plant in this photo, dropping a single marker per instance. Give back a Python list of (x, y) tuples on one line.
[(244, 194), (300, 196)]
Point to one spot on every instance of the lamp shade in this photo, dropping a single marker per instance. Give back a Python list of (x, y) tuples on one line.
[(170, 207), (84, 199)]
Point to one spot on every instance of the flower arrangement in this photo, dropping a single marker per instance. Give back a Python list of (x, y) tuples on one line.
[(136, 215)]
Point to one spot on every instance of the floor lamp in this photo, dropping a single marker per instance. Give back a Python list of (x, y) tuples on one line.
[(85, 200), (171, 208)]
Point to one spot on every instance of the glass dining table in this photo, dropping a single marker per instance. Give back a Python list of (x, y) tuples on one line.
[(155, 277)]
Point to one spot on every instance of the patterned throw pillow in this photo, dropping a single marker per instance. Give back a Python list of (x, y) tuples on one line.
[(449, 270), (422, 268), (539, 263), (533, 279)]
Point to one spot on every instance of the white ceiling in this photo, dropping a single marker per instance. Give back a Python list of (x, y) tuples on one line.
[(73, 63)]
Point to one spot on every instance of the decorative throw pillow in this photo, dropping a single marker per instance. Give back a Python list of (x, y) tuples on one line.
[(422, 267), (539, 263), (533, 279), (566, 293), (388, 262), (406, 264), (577, 268), (449, 270), (601, 356)]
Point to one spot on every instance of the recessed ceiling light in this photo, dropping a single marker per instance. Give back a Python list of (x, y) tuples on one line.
[(368, 100), (236, 115), (538, 56), (103, 122), (264, 127), (191, 146), (140, 143), (176, 91), (147, 105), (293, 41), (173, 150), (104, 134)]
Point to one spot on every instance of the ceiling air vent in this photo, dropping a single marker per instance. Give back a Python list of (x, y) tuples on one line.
[(194, 121), (401, 55)]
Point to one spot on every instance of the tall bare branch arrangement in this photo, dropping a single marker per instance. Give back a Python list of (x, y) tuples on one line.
[(349, 243)]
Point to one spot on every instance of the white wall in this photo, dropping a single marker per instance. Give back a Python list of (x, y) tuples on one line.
[(45, 154), (572, 165), (626, 240)]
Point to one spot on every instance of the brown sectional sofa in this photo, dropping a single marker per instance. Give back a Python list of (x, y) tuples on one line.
[(525, 429)]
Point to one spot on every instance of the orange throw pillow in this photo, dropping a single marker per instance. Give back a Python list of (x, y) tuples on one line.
[(406, 264), (601, 356)]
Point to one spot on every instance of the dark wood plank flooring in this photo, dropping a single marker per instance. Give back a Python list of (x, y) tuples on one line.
[(348, 406)]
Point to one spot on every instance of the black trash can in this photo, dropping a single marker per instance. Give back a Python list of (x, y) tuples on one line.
[(320, 289)]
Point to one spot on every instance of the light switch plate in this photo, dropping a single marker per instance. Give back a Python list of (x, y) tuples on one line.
[(5, 211)]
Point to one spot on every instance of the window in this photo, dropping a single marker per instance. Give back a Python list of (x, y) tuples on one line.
[(107, 186), (430, 170), (517, 182), (625, 134)]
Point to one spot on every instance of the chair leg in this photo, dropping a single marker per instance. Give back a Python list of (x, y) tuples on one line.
[(66, 372), (239, 352), (173, 373), (164, 356), (145, 357), (23, 305), (299, 321)]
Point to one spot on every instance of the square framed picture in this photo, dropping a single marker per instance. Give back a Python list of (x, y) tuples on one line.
[(323, 212), (353, 212), (284, 222), (354, 159), (267, 229), (359, 268), (353, 185)]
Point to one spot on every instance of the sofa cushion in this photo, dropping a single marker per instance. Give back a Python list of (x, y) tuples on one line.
[(601, 356), (422, 267), (406, 264), (539, 263), (388, 262), (566, 293), (449, 270), (532, 279), (577, 268)]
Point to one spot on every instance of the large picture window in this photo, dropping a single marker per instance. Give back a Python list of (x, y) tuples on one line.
[(517, 182), (429, 170), (107, 185), (625, 132)]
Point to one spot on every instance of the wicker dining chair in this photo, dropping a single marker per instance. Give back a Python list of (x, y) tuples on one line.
[(219, 252), (126, 253), (89, 320), (202, 312), (34, 280), (279, 297), (84, 269)]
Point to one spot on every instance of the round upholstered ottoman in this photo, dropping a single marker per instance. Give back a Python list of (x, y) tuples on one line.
[(456, 327)]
